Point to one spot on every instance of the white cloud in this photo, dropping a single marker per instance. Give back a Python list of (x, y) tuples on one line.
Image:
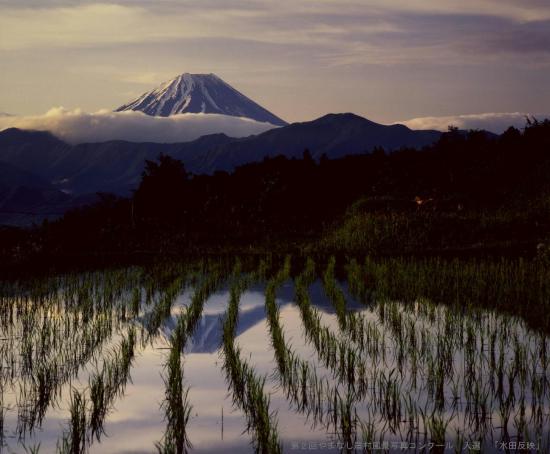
[(494, 122), (76, 126)]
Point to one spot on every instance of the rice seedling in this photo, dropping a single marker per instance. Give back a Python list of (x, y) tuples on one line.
[(176, 404), (338, 355), (437, 427), (246, 387), (33, 449), (74, 440), (109, 383), (297, 377), (335, 294)]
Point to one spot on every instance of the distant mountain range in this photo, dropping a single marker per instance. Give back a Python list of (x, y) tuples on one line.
[(74, 172), (334, 135), (26, 198), (199, 93), (117, 165)]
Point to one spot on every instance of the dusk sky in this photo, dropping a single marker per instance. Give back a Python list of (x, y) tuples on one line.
[(383, 59)]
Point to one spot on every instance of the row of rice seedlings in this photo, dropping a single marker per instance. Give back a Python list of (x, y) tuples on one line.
[(104, 386), (74, 318), (424, 341), (297, 377), (353, 324), (495, 284), (163, 306), (164, 286), (49, 343), (73, 441), (41, 383), (176, 403), (52, 331), (246, 387), (272, 312), (356, 280), (316, 397), (213, 277), (109, 383), (440, 364), (435, 367), (335, 295), (338, 355), (435, 353), (341, 412)]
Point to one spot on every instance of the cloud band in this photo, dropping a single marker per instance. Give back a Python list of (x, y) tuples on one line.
[(76, 126)]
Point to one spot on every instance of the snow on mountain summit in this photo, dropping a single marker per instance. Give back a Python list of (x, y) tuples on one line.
[(196, 93)]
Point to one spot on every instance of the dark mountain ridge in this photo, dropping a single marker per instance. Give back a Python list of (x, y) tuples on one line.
[(334, 135), (26, 198), (116, 165)]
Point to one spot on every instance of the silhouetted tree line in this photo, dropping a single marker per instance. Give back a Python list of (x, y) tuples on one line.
[(282, 202)]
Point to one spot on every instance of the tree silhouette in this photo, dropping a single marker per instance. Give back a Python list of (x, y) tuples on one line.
[(286, 201), (162, 191)]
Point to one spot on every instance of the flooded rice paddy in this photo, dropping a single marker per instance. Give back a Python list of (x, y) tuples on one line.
[(205, 358)]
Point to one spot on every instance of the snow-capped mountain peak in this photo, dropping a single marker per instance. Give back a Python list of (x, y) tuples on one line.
[(196, 93)]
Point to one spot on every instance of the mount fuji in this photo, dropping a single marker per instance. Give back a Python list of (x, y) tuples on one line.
[(199, 93)]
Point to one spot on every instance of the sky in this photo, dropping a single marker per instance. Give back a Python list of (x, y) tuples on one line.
[(387, 60)]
